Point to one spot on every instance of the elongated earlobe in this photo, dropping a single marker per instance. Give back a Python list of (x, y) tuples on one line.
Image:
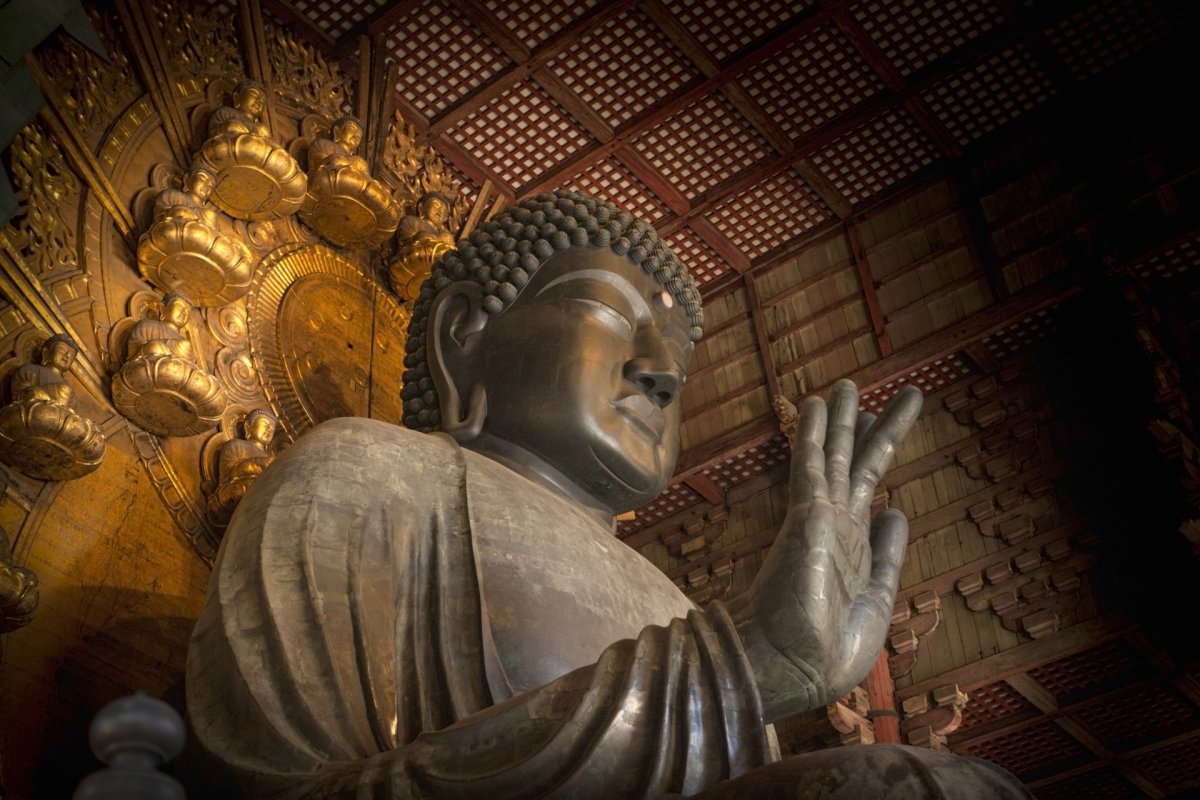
[(456, 320)]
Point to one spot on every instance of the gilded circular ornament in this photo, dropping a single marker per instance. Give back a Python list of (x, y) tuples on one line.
[(348, 207), (327, 340), (256, 178), (49, 441), (168, 396), (193, 258)]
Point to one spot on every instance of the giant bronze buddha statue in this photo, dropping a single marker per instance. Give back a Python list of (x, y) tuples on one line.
[(447, 613)]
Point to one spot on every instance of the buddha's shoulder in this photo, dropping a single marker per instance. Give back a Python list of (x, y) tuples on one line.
[(358, 439)]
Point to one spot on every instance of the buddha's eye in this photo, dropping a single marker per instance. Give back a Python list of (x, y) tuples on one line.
[(611, 317)]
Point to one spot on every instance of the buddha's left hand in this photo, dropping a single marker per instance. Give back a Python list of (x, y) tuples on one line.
[(815, 618)]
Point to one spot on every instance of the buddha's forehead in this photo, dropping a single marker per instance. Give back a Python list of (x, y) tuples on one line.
[(580, 269)]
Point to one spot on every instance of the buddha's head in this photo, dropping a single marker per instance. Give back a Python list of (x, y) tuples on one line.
[(250, 97), (58, 352), (556, 340), (434, 207), (349, 132), (176, 310), (260, 426), (200, 182)]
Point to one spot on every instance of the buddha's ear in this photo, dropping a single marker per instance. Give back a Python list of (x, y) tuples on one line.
[(456, 320)]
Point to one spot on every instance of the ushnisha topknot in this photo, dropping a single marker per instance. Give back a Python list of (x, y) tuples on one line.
[(501, 255)]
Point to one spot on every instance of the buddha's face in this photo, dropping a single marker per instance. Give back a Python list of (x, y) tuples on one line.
[(177, 312), (60, 356), (349, 133), (261, 429), (435, 210), (584, 372), (251, 100), (200, 184)]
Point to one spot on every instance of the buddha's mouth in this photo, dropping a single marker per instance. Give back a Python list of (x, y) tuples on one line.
[(647, 418)]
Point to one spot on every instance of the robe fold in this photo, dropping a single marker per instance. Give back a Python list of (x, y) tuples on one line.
[(345, 648)]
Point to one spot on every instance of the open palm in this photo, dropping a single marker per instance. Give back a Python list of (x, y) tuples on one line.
[(815, 618)]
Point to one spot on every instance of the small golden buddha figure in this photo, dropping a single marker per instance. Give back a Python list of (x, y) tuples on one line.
[(256, 178), (240, 462), (423, 237), (344, 203), (41, 434), (161, 386), (185, 250), (18, 590)]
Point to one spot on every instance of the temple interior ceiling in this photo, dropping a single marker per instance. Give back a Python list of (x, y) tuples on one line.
[(997, 201)]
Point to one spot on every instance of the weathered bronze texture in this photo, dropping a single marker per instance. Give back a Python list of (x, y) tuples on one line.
[(256, 178), (451, 616), (18, 590), (240, 463), (185, 250), (40, 432), (162, 386), (344, 203), (422, 238)]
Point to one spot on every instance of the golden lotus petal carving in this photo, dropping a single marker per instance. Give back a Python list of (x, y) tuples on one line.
[(49, 441), (169, 396), (256, 179), (349, 207), (191, 257)]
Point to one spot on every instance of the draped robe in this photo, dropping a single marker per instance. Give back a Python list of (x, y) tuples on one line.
[(369, 632)]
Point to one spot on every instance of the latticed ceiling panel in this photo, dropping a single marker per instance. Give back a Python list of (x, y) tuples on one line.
[(1104, 34), (674, 499), (1105, 783), (521, 134), (612, 180), (929, 378), (701, 260), (1174, 768), (993, 702), (1019, 335), (988, 94), (718, 142), (723, 31), (629, 52), (875, 156), (535, 21), (913, 33), (1174, 261), (795, 208), (1129, 718), (336, 17), (815, 80), (441, 56), (749, 463), (1029, 750), (1092, 670)]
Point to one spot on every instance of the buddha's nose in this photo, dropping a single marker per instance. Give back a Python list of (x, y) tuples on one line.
[(660, 379)]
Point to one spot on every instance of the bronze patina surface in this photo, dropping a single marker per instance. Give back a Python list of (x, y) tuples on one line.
[(450, 615)]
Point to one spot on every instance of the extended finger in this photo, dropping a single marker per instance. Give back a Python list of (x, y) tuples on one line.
[(865, 420), (839, 439), (879, 445), (867, 623), (808, 455)]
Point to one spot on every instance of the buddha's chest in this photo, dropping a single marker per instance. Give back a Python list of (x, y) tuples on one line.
[(558, 589)]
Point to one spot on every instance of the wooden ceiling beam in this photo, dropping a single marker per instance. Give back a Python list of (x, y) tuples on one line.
[(803, 23), (510, 77), (758, 317), (866, 283), (385, 16), (706, 488), (925, 351), (1118, 761), (721, 244), (473, 167), (644, 171)]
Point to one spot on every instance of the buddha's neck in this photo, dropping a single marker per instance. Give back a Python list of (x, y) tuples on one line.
[(536, 469)]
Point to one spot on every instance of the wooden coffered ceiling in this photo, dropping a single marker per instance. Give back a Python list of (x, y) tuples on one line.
[(894, 191)]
